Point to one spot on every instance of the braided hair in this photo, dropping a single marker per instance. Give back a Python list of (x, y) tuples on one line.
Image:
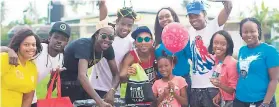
[(172, 59), (254, 20), (127, 12)]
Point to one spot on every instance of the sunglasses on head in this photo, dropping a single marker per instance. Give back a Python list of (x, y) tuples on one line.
[(104, 36), (141, 39)]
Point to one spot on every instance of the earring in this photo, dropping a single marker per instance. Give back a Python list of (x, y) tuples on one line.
[(133, 45), (153, 45)]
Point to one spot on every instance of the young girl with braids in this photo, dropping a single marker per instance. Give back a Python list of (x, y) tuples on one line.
[(170, 90)]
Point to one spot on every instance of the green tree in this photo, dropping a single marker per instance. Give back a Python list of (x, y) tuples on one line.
[(75, 4), (267, 19), (13, 23), (4, 36), (28, 21), (42, 20), (184, 3), (30, 14), (3, 10)]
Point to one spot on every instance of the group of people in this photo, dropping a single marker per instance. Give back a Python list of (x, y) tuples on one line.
[(249, 81)]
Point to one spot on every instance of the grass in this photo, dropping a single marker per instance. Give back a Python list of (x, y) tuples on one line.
[(277, 95), (42, 89)]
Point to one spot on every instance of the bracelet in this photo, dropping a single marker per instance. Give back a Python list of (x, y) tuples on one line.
[(265, 105), (113, 89)]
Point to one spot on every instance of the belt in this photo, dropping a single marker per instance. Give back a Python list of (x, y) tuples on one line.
[(202, 89), (226, 101), (76, 83)]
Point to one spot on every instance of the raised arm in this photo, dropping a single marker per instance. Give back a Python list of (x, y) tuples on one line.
[(103, 10), (225, 13)]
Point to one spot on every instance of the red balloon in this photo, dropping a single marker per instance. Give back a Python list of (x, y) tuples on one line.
[(175, 37)]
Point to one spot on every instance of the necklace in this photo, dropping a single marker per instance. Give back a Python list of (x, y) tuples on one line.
[(96, 61), (169, 98), (49, 59), (149, 58)]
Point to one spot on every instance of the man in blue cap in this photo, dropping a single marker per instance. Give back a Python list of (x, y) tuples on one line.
[(203, 92), (142, 54)]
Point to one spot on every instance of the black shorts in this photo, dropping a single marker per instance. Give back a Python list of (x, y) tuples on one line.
[(203, 97), (73, 90), (238, 103)]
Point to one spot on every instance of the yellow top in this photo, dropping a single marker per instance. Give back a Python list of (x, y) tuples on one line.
[(15, 81)]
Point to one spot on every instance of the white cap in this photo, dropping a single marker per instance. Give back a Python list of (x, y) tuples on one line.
[(103, 24)]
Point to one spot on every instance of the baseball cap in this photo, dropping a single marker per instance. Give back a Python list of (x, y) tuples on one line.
[(103, 23), (140, 30), (195, 7), (61, 27)]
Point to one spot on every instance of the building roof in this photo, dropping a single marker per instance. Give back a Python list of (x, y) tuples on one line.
[(154, 12), (112, 14)]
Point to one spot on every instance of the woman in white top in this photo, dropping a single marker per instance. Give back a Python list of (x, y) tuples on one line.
[(51, 56)]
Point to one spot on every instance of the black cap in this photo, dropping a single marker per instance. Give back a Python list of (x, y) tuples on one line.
[(140, 30), (61, 27)]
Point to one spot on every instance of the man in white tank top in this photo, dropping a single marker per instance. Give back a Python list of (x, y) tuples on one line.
[(101, 76)]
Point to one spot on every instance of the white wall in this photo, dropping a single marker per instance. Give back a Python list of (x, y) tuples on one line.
[(237, 40)]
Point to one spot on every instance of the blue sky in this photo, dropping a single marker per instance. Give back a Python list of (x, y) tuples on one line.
[(15, 7)]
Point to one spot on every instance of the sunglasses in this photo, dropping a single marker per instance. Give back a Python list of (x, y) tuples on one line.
[(104, 36), (141, 39)]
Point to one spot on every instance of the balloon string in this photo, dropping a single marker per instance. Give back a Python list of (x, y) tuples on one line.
[(172, 59)]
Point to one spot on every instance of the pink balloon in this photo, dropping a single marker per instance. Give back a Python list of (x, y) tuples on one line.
[(175, 37)]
